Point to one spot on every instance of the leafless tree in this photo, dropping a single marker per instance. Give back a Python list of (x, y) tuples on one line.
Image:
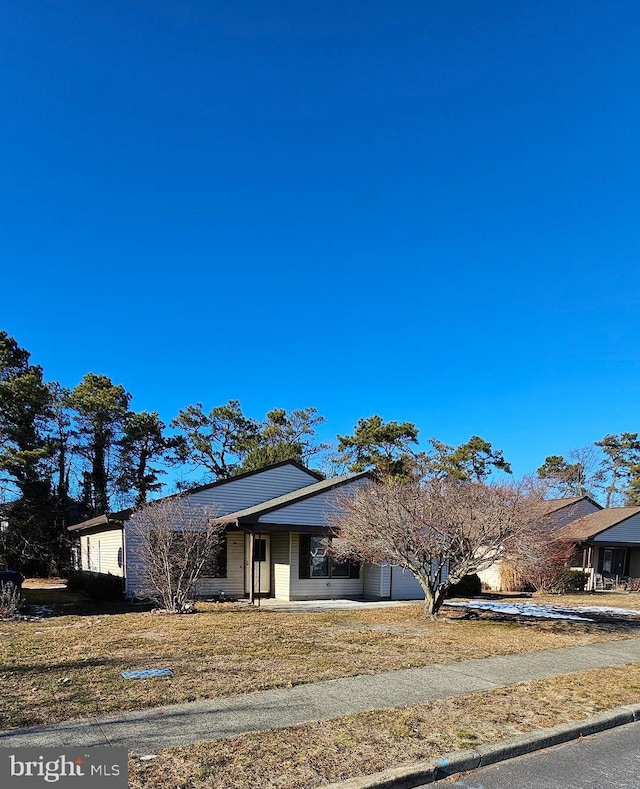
[(538, 558), (174, 542), (438, 529)]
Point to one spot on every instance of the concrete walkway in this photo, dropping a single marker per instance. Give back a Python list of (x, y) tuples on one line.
[(144, 731)]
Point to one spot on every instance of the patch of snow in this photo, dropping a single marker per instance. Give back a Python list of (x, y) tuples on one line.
[(520, 609), (599, 609)]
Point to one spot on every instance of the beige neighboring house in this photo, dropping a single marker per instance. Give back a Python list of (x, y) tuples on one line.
[(275, 541), (607, 546), (559, 512)]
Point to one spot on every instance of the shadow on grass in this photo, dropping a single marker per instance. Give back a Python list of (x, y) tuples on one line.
[(70, 665), (70, 602), (608, 622)]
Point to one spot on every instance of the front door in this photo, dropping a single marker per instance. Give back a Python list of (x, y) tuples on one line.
[(261, 564), (613, 562)]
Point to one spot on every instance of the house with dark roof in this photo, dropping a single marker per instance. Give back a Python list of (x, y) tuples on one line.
[(558, 513), (276, 540), (607, 545)]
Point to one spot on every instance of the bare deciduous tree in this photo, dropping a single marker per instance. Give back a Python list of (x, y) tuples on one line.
[(440, 530), (538, 558), (174, 542)]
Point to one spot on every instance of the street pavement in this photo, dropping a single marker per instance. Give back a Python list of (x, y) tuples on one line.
[(609, 760), (182, 724)]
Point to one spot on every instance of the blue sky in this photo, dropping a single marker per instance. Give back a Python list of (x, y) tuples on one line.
[(425, 210)]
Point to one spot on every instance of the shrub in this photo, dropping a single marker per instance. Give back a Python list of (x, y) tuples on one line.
[(75, 579), (468, 586), (569, 581), (10, 601), (98, 586), (633, 584)]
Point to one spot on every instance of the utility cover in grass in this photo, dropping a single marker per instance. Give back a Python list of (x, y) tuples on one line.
[(145, 673)]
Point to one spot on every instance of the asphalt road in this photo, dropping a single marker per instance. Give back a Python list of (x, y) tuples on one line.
[(609, 760)]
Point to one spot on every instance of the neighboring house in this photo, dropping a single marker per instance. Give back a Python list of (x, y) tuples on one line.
[(607, 545), (276, 524), (558, 512)]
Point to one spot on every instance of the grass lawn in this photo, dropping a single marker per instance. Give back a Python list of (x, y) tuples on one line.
[(629, 600), (308, 756), (68, 666)]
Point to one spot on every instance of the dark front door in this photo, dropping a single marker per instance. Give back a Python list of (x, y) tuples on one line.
[(613, 562)]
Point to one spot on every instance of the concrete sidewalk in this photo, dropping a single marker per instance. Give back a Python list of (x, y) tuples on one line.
[(181, 724)]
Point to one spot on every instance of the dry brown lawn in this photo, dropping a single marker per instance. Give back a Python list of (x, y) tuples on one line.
[(68, 666), (309, 756), (629, 600)]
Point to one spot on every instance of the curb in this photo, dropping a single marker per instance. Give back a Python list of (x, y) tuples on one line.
[(427, 772)]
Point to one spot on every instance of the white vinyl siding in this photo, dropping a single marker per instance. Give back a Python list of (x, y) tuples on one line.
[(229, 496), (319, 588), (311, 511), (238, 494), (492, 576), (376, 581), (280, 557), (100, 551), (233, 584)]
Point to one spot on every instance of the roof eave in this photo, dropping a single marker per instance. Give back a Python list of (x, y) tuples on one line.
[(92, 523)]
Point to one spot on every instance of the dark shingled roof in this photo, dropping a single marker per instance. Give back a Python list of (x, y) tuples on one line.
[(554, 505), (113, 518), (597, 522)]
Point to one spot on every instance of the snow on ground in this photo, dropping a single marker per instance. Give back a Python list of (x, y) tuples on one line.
[(521, 609), (543, 611)]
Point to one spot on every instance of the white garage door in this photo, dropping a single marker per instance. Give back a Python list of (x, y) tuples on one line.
[(404, 585)]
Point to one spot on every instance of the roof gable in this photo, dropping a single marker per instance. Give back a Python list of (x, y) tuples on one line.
[(555, 505), (264, 509), (226, 495), (598, 522)]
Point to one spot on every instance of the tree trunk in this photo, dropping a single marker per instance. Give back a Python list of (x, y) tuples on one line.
[(433, 600)]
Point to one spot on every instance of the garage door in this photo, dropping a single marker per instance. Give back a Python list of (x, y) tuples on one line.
[(404, 585)]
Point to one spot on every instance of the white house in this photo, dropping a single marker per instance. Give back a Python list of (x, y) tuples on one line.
[(276, 523), (559, 513)]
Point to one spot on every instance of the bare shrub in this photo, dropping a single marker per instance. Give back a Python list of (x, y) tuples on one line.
[(510, 579), (10, 601), (539, 558), (174, 541)]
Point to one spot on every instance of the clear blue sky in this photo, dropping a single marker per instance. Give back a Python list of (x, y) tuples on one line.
[(426, 210)]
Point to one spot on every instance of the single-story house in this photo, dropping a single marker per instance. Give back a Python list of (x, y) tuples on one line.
[(558, 512), (276, 523), (607, 545)]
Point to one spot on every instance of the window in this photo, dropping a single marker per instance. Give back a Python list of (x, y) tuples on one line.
[(259, 549), (315, 563), (216, 566), (177, 545)]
